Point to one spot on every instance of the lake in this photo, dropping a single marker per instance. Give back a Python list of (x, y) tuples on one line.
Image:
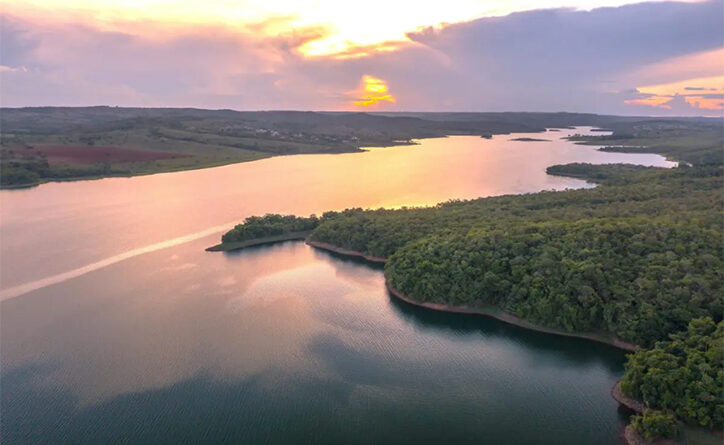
[(117, 326)]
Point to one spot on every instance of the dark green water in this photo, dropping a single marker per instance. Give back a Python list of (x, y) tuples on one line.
[(117, 329)]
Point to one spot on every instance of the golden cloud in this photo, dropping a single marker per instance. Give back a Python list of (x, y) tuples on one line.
[(372, 91)]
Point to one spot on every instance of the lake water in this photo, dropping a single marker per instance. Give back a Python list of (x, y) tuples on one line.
[(117, 326)]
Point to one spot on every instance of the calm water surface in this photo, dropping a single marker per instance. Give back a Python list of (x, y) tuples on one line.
[(118, 327)]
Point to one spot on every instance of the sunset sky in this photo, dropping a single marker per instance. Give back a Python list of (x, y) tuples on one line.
[(603, 56)]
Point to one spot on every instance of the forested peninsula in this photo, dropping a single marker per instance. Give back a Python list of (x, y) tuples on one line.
[(637, 259)]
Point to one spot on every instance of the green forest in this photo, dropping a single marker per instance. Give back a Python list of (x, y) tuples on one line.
[(681, 377), (638, 256), (639, 278), (255, 227)]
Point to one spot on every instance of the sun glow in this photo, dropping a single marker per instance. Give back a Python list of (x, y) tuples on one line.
[(373, 91), (347, 29)]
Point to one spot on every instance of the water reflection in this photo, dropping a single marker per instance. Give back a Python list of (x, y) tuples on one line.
[(274, 335), (553, 347)]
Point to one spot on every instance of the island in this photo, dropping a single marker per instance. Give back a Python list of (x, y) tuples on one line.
[(530, 140), (635, 262)]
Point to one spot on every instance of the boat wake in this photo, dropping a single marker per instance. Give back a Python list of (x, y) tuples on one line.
[(16, 291)]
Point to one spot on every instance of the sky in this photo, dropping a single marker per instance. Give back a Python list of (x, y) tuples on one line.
[(601, 56)]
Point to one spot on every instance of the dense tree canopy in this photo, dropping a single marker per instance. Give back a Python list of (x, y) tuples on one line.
[(596, 173), (268, 225), (640, 278), (638, 256), (653, 424), (681, 194), (683, 375)]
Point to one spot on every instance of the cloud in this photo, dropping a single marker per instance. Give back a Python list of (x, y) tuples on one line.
[(545, 60), (75, 64), (555, 59), (9, 69), (706, 96), (372, 92)]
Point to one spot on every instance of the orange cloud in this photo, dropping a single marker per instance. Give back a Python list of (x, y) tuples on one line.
[(704, 93), (705, 103), (372, 92), (712, 85), (653, 101)]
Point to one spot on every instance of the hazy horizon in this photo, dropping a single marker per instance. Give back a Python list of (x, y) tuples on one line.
[(367, 111)]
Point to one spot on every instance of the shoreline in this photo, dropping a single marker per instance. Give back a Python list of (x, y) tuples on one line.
[(238, 245), (262, 155), (511, 319), (495, 313), (634, 405), (346, 252)]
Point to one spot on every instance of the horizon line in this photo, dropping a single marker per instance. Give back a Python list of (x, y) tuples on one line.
[(2, 107)]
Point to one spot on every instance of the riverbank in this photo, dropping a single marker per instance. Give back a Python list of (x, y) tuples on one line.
[(687, 434), (632, 404), (163, 169), (491, 311), (632, 437), (346, 252), (291, 236), (514, 320)]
